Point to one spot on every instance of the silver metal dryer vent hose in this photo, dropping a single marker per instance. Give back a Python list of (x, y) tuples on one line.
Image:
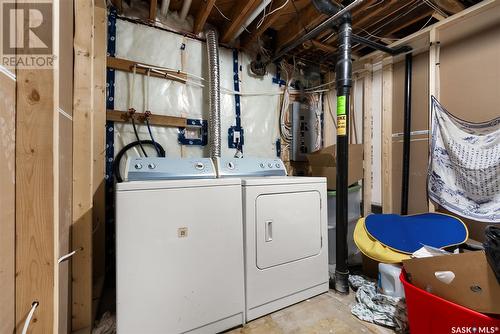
[(214, 133)]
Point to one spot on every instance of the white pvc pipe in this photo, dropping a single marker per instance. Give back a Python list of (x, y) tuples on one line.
[(185, 9), (252, 17), (164, 7)]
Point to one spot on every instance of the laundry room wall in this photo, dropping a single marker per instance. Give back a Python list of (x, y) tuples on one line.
[(259, 110)]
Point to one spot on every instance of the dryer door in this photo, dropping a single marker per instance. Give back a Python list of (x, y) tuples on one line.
[(288, 227)]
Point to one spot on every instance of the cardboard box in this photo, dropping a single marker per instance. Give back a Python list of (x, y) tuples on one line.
[(324, 163), (474, 285)]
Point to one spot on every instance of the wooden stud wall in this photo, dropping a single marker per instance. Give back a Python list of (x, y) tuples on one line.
[(387, 136), (367, 141), (99, 148), (35, 197), (64, 90), (89, 121)]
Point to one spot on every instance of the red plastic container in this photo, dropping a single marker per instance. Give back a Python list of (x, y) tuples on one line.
[(430, 314)]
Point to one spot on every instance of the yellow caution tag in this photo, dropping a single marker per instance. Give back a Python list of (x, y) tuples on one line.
[(341, 125)]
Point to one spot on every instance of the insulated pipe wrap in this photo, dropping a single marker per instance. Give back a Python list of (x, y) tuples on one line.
[(214, 93)]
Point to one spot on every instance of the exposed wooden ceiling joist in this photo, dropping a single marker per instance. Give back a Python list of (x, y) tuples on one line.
[(250, 38), (438, 16), (202, 15), (379, 10), (241, 11), (304, 21), (450, 6), (419, 13), (386, 28), (323, 47)]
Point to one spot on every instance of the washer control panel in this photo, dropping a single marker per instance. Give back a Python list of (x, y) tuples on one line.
[(154, 168), (233, 167)]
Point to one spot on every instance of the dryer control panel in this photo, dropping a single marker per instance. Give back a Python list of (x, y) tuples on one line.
[(249, 167), (154, 168)]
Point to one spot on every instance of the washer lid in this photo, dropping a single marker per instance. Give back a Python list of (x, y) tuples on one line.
[(172, 184), (275, 180)]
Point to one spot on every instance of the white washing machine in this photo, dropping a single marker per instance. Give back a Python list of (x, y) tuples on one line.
[(285, 234), (179, 248)]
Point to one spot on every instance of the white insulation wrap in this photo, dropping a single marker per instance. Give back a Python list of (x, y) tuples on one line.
[(259, 114)]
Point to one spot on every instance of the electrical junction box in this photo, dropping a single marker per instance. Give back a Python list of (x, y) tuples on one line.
[(305, 127)]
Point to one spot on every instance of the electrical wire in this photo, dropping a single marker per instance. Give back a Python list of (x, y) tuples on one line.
[(221, 13), (261, 21), (379, 37), (375, 4), (27, 322), (436, 8), (426, 23), (285, 127)]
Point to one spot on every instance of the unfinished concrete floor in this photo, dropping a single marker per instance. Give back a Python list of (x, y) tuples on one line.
[(326, 313)]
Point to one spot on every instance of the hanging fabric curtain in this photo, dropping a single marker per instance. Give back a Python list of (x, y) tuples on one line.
[(464, 167)]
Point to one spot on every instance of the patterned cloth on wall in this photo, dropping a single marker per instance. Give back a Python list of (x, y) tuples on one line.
[(464, 169)]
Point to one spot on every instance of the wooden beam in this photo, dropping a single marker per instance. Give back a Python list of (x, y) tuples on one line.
[(377, 13), (82, 165), (438, 16), (307, 19), (99, 147), (418, 14), (387, 136), (241, 10), (36, 196), (153, 8), (128, 65), (63, 96), (407, 20), (154, 119), (367, 141), (202, 15), (434, 85), (321, 46), (7, 203), (451, 6), (249, 38)]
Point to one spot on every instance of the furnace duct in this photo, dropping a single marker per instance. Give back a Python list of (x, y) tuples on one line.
[(214, 134)]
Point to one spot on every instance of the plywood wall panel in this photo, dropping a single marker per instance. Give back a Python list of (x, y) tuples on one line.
[(470, 74), (419, 92), (417, 198), (7, 202)]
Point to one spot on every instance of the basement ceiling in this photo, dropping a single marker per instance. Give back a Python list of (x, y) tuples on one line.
[(383, 21)]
